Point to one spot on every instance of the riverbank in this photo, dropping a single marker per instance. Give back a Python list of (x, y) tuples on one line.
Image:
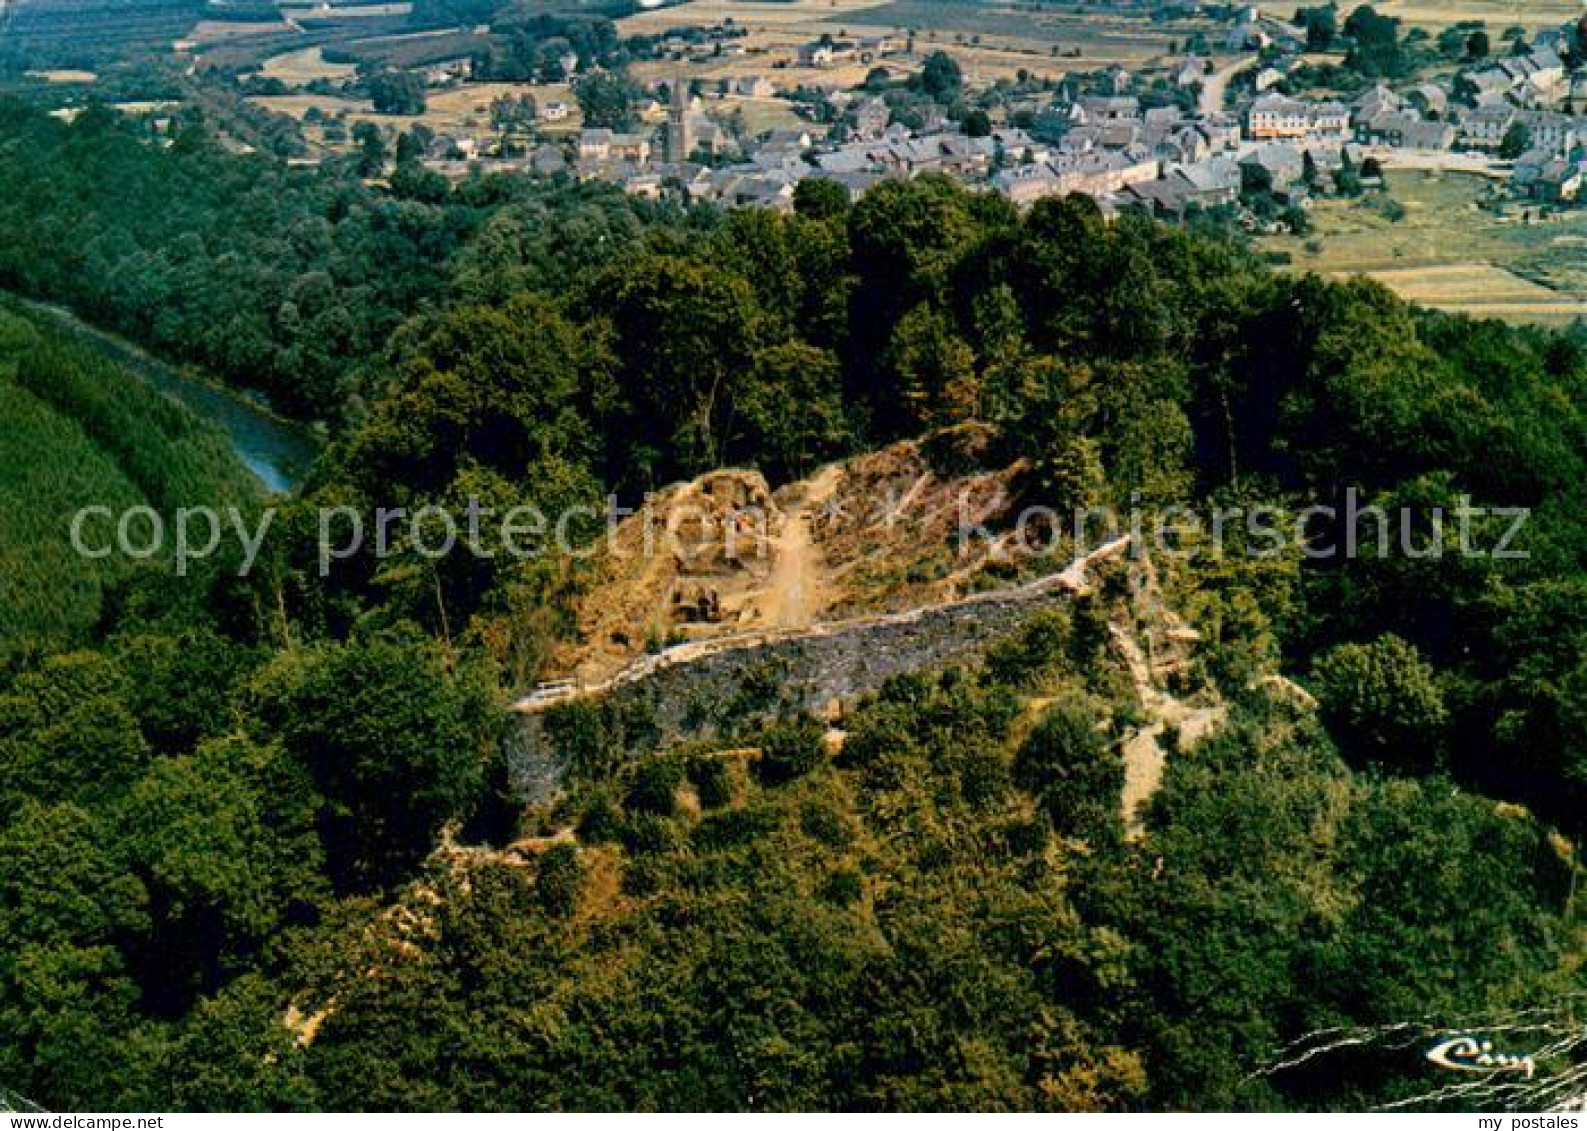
[(278, 451)]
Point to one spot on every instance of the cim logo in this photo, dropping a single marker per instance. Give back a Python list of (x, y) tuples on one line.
[(1472, 1054)]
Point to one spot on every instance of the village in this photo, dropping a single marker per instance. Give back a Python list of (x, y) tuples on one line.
[(1235, 124)]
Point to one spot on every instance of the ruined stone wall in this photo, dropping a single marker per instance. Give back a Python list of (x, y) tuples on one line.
[(719, 692)]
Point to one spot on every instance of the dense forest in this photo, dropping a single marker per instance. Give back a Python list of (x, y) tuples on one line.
[(253, 839)]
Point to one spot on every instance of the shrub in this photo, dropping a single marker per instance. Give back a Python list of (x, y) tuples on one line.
[(561, 880), (789, 751)]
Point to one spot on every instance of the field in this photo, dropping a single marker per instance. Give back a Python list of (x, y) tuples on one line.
[(206, 33), (298, 68), (79, 34), (416, 49), (1497, 13), (1448, 253), (63, 77), (448, 111), (992, 38)]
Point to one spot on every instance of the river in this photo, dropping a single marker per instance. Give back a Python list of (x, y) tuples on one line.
[(278, 451)]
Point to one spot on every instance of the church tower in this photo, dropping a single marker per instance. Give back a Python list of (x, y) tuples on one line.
[(679, 143)]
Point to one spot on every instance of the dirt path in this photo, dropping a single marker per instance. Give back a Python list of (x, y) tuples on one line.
[(793, 594), (1216, 87), (1145, 757)]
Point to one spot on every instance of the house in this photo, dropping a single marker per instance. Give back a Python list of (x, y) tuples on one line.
[(630, 148), (1485, 87), (547, 161), (1212, 182), (827, 52), (871, 118), (1430, 98), (1485, 127), (1561, 182), (1406, 129), (787, 138), (554, 111), (1192, 72), (1542, 68), (1102, 111), (449, 71), (1092, 174), (1379, 100), (1221, 131), (1275, 117), (1284, 164), (1169, 196), (1026, 184), (595, 144), (876, 47), (754, 86), (647, 186), (1557, 133), (599, 145), (1247, 35), (449, 147)]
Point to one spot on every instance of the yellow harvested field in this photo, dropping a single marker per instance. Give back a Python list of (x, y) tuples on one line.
[(297, 68), (447, 111), (1480, 289), (1448, 252), (297, 105), (760, 114), (1498, 13), (207, 32), (63, 76), (993, 44), (453, 109)]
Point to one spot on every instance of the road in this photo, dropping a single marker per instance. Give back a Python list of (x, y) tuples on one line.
[(1439, 161), (1217, 85)]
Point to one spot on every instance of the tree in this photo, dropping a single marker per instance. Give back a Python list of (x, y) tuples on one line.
[(1321, 25), (1069, 765), (605, 100), (1310, 176), (940, 77), (1376, 50), (789, 750), (1347, 178), (977, 123), (560, 880), (1478, 46), (792, 410), (1517, 140), (1382, 702), (397, 92), (818, 198), (396, 743), (371, 149), (685, 334)]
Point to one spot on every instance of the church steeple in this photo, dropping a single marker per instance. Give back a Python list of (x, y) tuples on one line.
[(679, 143)]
